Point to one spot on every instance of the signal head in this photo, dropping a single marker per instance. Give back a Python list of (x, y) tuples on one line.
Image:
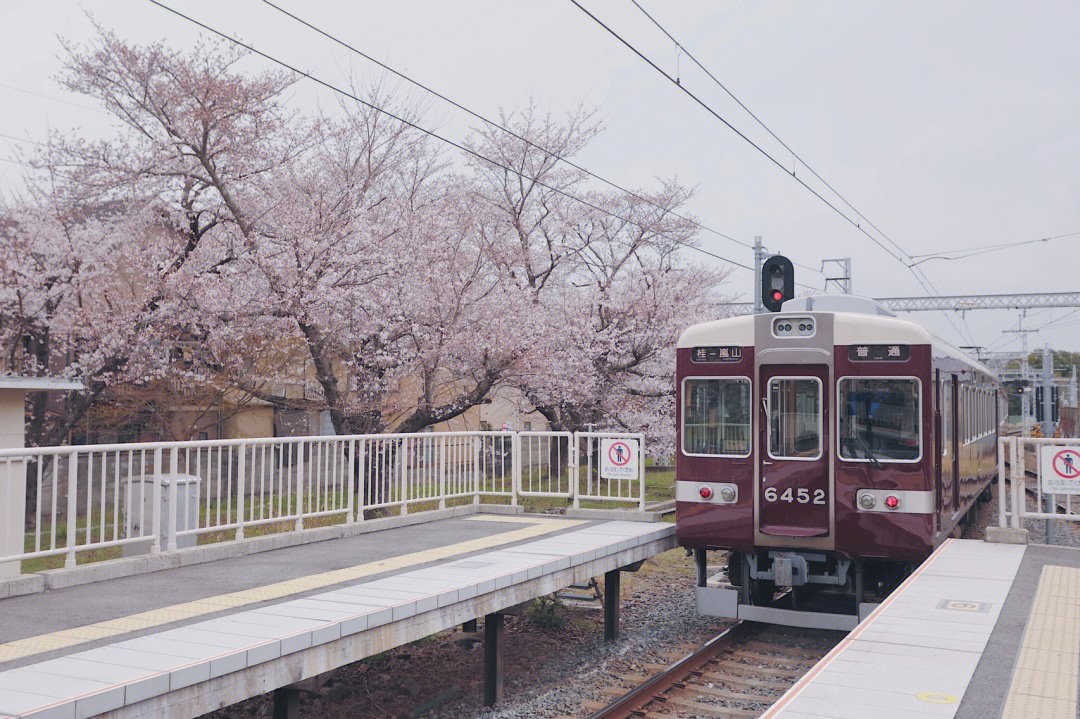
[(777, 282)]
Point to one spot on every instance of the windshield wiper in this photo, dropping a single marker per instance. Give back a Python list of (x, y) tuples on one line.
[(866, 449)]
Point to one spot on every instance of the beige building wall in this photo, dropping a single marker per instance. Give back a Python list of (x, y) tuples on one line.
[(251, 422)]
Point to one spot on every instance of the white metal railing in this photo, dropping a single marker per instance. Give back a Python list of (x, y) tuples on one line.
[(1056, 481), (96, 497), (592, 484)]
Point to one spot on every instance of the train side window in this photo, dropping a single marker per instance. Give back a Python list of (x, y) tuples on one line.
[(716, 416), (879, 419), (964, 408), (794, 418), (946, 416)]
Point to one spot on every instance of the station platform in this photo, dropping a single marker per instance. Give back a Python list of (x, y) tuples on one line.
[(978, 631), (186, 641)]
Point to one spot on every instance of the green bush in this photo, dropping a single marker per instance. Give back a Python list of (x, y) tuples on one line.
[(547, 612)]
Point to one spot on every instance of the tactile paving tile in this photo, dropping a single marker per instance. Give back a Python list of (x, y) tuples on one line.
[(1044, 680), (1026, 706)]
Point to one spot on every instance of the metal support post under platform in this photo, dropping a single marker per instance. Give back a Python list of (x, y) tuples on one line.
[(611, 605), (287, 703), (493, 658), (469, 626)]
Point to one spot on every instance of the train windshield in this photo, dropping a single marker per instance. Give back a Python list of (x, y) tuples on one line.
[(794, 418), (879, 419), (716, 416)]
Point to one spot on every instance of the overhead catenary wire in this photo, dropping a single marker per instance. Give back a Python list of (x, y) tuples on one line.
[(430, 133), (54, 99), (919, 276), (509, 131), (961, 254)]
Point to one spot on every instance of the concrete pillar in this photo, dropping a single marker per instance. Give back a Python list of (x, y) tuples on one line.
[(493, 659), (611, 605), (12, 480), (287, 703)]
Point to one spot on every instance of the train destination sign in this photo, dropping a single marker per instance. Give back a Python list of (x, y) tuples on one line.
[(879, 353), (619, 459), (1060, 469), (716, 354)]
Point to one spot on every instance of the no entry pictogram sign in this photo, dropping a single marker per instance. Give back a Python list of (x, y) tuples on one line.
[(1060, 470), (619, 458)]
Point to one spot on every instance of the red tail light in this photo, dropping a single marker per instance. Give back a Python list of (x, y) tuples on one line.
[(705, 492), (892, 501)]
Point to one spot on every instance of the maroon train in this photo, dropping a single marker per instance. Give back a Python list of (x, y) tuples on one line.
[(828, 448)]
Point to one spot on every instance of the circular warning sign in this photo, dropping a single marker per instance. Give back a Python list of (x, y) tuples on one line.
[(619, 453), (1066, 464)]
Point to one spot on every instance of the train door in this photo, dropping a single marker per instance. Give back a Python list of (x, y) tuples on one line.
[(794, 492), (958, 408), (948, 479)]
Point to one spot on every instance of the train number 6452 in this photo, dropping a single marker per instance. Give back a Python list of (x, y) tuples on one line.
[(800, 495)]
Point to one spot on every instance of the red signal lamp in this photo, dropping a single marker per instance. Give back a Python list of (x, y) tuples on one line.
[(777, 295), (892, 501), (705, 492)]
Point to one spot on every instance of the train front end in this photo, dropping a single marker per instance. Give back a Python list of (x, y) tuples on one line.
[(800, 453)]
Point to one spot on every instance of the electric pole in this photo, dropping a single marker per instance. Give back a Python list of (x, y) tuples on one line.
[(843, 280), (759, 257)]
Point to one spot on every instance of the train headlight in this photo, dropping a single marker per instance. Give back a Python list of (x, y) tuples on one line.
[(867, 501), (892, 501), (705, 492), (727, 494)]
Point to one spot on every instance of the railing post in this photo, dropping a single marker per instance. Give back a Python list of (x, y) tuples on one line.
[(241, 488), (442, 471), (515, 467), (174, 469), (72, 508), (641, 470), (299, 485), (1002, 444), (403, 474), (155, 512), (361, 481), (575, 474), (476, 468), (351, 488), (1017, 492)]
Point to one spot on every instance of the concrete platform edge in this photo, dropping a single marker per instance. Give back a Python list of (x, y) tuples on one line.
[(1006, 535), (223, 691), (610, 515), (22, 584)]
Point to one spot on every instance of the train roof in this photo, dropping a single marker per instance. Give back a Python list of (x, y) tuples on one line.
[(856, 320)]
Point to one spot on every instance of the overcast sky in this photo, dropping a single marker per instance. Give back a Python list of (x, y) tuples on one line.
[(948, 124)]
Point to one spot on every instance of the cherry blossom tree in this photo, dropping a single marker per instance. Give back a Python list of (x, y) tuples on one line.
[(343, 247)]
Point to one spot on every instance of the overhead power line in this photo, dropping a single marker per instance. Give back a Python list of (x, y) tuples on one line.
[(509, 131), (973, 251), (919, 276), (430, 133), (54, 99)]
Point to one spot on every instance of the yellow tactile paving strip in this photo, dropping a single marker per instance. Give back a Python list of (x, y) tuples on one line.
[(1044, 681), (178, 612)]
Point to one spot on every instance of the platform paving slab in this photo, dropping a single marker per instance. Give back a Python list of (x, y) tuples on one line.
[(211, 659)]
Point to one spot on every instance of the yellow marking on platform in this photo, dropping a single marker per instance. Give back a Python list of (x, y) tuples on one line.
[(936, 698), (200, 607), (1044, 680)]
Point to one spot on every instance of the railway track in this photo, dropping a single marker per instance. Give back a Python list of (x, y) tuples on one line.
[(739, 673)]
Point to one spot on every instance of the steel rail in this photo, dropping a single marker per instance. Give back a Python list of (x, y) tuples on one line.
[(631, 702)]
